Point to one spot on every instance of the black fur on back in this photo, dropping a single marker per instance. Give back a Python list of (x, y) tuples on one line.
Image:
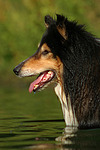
[(80, 55)]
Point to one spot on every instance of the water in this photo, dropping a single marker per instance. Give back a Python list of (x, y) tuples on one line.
[(35, 121)]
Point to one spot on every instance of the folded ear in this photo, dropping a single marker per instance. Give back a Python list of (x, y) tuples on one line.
[(48, 21), (61, 26)]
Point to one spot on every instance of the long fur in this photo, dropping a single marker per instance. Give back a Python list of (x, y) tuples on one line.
[(80, 55)]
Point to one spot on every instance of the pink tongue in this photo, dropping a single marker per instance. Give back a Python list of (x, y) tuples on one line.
[(40, 81), (31, 88)]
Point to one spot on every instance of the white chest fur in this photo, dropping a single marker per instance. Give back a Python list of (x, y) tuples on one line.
[(68, 112)]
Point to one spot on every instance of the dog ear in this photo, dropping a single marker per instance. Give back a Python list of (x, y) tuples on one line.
[(61, 26), (48, 21)]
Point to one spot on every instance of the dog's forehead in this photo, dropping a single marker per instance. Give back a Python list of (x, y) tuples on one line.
[(48, 35), (51, 36)]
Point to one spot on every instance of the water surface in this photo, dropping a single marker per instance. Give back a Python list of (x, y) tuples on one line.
[(35, 121)]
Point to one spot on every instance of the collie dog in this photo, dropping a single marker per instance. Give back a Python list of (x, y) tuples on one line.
[(69, 56)]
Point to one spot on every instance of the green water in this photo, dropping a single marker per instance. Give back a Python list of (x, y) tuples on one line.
[(35, 121)]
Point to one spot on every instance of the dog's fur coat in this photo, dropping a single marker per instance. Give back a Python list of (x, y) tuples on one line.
[(74, 55)]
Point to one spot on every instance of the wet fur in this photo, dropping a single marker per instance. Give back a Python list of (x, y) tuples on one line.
[(79, 54)]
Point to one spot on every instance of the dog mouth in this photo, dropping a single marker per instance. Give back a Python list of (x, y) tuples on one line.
[(42, 80)]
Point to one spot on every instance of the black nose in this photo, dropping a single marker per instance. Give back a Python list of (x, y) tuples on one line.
[(17, 69)]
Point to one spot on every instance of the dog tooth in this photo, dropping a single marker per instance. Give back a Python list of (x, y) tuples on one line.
[(42, 76), (35, 86), (48, 75), (49, 72), (44, 79)]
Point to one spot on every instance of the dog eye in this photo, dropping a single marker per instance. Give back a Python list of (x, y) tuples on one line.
[(45, 52)]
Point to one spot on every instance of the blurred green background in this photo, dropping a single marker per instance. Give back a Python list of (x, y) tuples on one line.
[(21, 29), (22, 26)]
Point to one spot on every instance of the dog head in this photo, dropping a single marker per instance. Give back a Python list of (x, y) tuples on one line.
[(46, 61)]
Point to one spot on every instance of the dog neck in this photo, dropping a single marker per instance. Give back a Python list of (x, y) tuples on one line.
[(68, 111)]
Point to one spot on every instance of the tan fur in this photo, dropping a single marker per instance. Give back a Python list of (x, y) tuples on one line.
[(39, 63), (62, 31)]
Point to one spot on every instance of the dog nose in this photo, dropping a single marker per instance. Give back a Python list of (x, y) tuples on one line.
[(17, 69)]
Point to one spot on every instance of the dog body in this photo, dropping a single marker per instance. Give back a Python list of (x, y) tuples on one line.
[(70, 57)]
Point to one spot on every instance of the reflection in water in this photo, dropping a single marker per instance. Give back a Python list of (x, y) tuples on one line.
[(19, 133), (72, 139), (34, 122), (67, 134), (62, 141)]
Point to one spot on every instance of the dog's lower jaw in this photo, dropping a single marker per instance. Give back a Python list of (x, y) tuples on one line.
[(68, 111)]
